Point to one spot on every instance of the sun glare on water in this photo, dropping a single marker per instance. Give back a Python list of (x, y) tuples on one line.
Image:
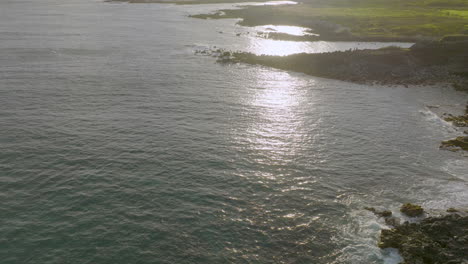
[(273, 3), (291, 30), (263, 45), (275, 133), (276, 47)]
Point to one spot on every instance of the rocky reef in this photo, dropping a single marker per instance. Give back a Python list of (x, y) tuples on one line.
[(461, 142), (459, 121), (455, 144), (433, 240), (386, 214), (411, 210)]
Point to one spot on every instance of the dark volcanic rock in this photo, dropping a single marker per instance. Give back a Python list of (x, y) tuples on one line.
[(412, 210), (435, 240)]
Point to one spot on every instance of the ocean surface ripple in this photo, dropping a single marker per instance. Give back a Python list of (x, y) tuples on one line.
[(120, 145)]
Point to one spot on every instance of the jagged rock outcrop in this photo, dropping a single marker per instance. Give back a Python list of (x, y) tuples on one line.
[(434, 240), (411, 210)]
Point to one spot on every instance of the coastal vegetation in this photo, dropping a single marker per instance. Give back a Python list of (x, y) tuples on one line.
[(346, 20), (360, 19)]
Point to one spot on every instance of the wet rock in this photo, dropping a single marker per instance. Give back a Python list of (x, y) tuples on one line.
[(459, 121), (384, 213), (456, 144), (435, 240), (412, 210), (392, 221)]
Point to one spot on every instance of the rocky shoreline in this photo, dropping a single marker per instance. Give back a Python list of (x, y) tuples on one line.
[(461, 142), (423, 64), (432, 240), (439, 62)]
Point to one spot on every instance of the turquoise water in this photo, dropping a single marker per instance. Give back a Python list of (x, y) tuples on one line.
[(120, 145)]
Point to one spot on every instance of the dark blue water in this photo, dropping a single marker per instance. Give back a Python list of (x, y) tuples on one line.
[(119, 145)]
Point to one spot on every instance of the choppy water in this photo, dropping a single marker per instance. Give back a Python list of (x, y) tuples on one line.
[(119, 145)]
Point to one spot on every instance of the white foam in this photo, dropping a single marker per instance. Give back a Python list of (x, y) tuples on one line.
[(290, 30), (391, 256), (433, 117), (457, 168), (363, 236), (455, 190), (456, 195)]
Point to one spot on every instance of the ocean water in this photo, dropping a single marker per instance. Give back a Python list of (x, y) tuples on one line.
[(120, 145)]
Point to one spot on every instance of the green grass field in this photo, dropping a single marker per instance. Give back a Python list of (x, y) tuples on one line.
[(378, 18)]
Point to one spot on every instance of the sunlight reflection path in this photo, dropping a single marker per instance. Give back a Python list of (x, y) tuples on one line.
[(275, 135), (269, 3), (291, 30), (276, 47), (261, 46)]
